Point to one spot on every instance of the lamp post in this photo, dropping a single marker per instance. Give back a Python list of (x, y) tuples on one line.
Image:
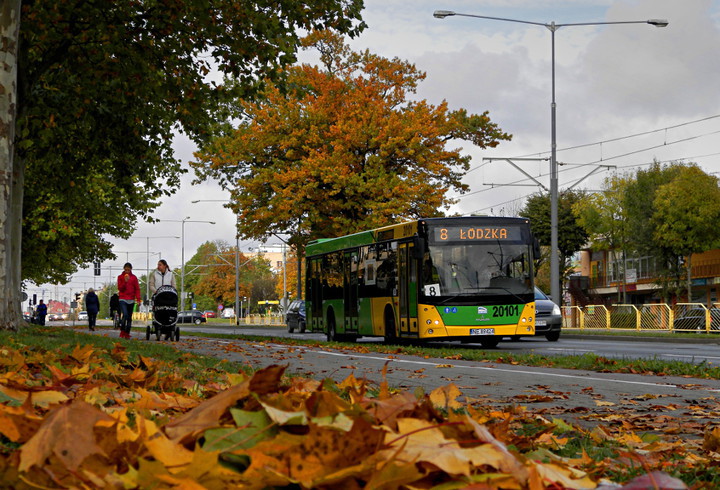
[(553, 27), (147, 261), (182, 253)]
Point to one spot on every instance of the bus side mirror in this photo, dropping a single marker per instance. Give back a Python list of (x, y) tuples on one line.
[(418, 251)]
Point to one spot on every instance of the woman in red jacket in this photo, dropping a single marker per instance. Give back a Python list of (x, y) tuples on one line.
[(129, 292)]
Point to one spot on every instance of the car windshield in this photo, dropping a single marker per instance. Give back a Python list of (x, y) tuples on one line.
[(539, 295)]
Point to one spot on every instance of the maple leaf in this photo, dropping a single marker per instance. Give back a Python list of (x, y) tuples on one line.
[(67, 433), (445, 397)]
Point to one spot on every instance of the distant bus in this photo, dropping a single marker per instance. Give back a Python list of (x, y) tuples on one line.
[(463, 278)]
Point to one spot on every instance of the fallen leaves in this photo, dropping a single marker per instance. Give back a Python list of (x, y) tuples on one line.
[(88, 420)]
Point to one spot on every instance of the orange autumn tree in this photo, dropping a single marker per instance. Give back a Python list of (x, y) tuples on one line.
[(345, 148), (211, 274)]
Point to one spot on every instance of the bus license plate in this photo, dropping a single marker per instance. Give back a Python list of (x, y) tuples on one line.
[(482, 331)]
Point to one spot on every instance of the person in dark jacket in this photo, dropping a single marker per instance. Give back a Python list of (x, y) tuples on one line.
[(41, 312), (92, 306), (115, 310)]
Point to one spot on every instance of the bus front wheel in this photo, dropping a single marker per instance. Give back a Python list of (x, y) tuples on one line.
[(489, 343)]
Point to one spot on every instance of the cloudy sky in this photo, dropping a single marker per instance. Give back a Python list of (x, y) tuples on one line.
[(626, 95)]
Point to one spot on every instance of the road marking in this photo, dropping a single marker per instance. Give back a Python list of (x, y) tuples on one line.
[(584, 378), (514, 371)]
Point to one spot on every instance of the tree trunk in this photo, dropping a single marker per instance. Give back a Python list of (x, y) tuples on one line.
[(11, 176)]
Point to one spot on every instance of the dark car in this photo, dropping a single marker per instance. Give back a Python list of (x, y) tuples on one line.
[(193, 316), (295, 316), (548, 317), (694, 320)]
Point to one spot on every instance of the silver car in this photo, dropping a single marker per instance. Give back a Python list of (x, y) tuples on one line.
[(548, 317)]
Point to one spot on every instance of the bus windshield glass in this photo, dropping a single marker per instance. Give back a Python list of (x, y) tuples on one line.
[(458, 263)]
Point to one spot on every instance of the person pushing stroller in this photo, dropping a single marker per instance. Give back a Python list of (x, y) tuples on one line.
[(164, 302)]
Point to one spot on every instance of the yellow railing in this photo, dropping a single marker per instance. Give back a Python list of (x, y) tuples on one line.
[(682, 317)]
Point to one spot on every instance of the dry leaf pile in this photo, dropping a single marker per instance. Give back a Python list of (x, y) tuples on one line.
[(87, 420)]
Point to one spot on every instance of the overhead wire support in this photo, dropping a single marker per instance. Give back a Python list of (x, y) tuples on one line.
[(510, 161)]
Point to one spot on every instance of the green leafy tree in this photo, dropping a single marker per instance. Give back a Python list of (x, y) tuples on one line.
[(571, 234), (687, 212), (91, 94), (603, 216), (639, 202), (344, 149)]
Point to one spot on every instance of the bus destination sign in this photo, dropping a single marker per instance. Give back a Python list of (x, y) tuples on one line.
[(476, 233)]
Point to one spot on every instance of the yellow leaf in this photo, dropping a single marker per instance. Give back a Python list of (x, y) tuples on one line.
[(601, 403), (446, 397), (169, 453)]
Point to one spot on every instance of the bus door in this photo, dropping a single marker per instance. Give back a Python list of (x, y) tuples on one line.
[(350, 290), (407, 289)]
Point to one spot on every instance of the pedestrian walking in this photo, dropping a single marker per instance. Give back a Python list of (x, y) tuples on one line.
[(129, 293), (92, 306), (41, 312)]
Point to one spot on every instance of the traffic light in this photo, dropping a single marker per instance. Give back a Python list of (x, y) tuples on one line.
[(97, 268), (34, 300)]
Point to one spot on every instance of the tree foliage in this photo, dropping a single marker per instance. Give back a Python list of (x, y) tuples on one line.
[(571, 234), (210, 275), (104, 86), (344, 149), (687, 211)]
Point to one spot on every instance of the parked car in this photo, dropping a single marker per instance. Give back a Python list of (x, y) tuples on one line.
[(693, 319), (228, 313), (82, 316), (192, 316), (209, 314), (548, 317), (295, 316), (54, 317)]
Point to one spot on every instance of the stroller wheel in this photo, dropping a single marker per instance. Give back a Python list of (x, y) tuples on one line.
[(157, 333), (177, 334), (147, 332)]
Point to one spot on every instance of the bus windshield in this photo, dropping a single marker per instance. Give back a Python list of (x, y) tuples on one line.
[(460, 269)]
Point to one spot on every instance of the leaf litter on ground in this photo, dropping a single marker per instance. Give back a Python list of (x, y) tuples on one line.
[(105, 419)]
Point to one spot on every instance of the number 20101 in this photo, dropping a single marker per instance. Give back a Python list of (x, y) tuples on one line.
[(506, 310)]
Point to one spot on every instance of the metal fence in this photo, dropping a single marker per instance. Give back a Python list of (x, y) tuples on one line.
[(681, 317)]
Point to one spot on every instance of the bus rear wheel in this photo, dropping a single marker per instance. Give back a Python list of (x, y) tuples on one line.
[(331, 333)]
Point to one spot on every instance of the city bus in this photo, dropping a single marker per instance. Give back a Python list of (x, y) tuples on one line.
[(460, 278)]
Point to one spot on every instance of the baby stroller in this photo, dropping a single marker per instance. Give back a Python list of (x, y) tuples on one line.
[(164, 310)]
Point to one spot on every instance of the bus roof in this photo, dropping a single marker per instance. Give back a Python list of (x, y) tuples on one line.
[(397, 231)]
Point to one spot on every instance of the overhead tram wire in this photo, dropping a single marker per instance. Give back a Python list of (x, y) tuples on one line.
[(612, 140), (595, 163), (635, 165)]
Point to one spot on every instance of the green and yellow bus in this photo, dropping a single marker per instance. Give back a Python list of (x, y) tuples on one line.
[(461, 278)]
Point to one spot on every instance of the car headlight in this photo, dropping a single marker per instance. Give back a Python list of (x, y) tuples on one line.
[(556, 310)]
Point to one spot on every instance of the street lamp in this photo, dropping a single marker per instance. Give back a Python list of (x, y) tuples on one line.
[(182, 253), (552, 26), (147, 261)]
